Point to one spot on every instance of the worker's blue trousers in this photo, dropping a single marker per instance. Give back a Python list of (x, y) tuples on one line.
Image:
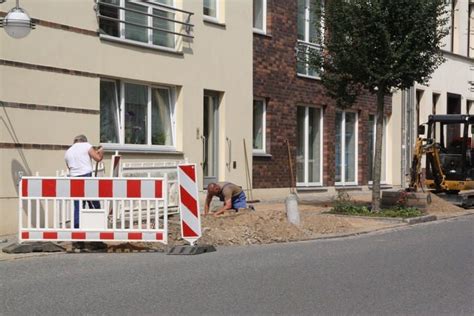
[(91, 204)]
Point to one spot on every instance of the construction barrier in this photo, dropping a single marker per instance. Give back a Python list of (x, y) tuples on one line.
[(156, 169), (110, 209), (189, 203)]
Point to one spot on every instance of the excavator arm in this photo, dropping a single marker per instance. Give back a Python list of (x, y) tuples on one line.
[(431, 149)]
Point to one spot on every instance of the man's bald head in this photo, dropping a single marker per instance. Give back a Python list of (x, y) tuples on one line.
[(213, 188)]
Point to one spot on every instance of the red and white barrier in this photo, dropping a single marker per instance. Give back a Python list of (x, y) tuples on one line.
[(131, 209), (116, 188), (189, 203)]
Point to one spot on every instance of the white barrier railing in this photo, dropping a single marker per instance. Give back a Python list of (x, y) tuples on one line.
[(93, 209), (157, 169)]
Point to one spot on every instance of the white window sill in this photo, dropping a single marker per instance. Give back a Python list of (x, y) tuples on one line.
[(347, 186), (310, 188), (261, 154), (308, 76), (140, 44), (213, 20), (381, 182), (154, 149), (259, 31)]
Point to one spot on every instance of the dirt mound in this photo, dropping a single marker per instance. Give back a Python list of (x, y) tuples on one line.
[(442, 208), (269, 224)]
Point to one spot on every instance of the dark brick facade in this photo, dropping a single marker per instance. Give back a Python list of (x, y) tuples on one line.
[(275, 79)]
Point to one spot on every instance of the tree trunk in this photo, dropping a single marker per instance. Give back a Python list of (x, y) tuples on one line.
[(377, 167)]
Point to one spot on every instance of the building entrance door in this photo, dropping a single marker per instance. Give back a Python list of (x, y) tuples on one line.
[(210, 138)]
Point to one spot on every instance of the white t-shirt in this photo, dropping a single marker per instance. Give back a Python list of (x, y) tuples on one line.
[(78, 159)]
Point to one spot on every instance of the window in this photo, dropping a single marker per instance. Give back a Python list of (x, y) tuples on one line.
[(470, 35), (346, 148), (435, 101), (454, 27), (109, 112), (372, 133), (260, 16), (210, 8), (259, 111), (136, 114), (146, 23), (307, 37), (308, 146)]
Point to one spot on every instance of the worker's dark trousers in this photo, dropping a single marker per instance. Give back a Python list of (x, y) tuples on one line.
[(91, 204)]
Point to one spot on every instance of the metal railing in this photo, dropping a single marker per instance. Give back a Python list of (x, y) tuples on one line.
[(185, 32), (305, 52)]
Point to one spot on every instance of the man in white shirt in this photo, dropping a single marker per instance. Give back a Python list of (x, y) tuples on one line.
[(78, 160)]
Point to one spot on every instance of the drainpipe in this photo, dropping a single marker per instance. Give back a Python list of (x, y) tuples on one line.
[(408, 138), (404, 136)]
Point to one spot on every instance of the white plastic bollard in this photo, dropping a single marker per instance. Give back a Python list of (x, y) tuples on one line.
[(292, 212)]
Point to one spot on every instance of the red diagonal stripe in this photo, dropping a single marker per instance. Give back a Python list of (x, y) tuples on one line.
[(189, 171), (159, 236), (25, 235), (50, 235), (24, 187), (189, 201), (48, 188), (188, 232)]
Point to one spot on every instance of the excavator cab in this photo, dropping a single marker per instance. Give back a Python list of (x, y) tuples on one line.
[(450, 162)]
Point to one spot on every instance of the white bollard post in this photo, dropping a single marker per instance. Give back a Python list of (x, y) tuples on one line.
[(292, 212)]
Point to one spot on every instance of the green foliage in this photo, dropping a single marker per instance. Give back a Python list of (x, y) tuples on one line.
[(402, 212), (376, 45), (343, 205)]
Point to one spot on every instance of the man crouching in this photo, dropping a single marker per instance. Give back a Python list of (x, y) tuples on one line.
[(232, 195)]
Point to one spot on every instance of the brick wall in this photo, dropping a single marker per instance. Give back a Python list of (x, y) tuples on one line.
[(276, 80)]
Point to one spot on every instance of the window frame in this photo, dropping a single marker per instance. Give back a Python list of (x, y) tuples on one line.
[(210, 18), (121, 124), (306, 42), (264, 19), (149, 44), (117, 88), (343, 151), (306, 183), (264, 128)]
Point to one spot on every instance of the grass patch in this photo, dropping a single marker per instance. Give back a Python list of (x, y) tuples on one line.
[(344, 206)]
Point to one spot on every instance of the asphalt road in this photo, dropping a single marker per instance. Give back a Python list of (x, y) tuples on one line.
[(425, 269)]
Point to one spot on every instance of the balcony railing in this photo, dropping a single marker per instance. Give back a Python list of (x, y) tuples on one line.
[(305, 53), (144, 22)]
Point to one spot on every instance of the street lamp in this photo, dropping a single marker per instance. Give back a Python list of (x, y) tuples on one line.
[(17, 22)]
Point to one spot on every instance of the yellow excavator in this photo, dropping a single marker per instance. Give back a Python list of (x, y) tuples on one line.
[(449, 151)]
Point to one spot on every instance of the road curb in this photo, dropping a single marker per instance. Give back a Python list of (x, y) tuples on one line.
[(420, 219), (383, 219)]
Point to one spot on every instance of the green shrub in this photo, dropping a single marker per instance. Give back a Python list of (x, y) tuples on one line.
[(343, 205)]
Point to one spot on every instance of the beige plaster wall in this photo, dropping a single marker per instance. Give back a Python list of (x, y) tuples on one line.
[(453, 76)]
